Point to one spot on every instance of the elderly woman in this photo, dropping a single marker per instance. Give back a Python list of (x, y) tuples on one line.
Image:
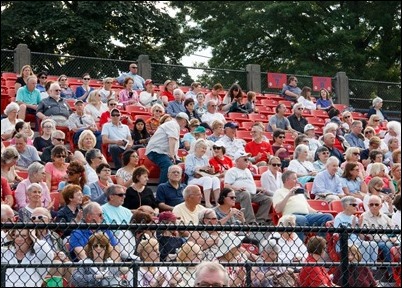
[(200, 107), (352, 155), (45, 140), (8, 124), (376, 109), (393, 145), (36, 174), (352, 184), (189, 105), (56, 170), (9, 158), (138, 194), (200, 172), (347, 217), (176, 106), (217, 131), (34, 198), (72, 211), (26, 249), (98, 250), (375, 187), (152, 123), (379, 170), (394, 131), (106, 91), (304, 169), (374, 122), (271, 180), (124, 176), (86, 142), (95, 106)]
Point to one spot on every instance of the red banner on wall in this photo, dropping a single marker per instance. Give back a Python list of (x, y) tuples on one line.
[(276, 80), (322, 82)]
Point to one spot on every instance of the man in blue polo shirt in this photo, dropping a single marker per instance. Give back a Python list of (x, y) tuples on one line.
[(92, 213), (139, 82), (170, 193)]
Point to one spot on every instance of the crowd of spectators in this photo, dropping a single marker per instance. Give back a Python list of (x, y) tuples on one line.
[(99, 178)]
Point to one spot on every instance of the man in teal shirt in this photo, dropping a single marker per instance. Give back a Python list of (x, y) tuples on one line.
[(28, 97)]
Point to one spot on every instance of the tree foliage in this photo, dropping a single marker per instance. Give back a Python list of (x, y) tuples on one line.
[(361, 38), (107, 29)]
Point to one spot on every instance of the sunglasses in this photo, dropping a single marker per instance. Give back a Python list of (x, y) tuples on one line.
[(108, 82), (87, 78), (120, 194), (98, 246), (134, 67), (57, 90), (374, 204), (112, 104), (299, 108), (59, 139), (63, 79), (61, 156), (43, 77), (378, 120), (276, 165), (160, 111), (232, 197), (368, 132), (115, 115), (353, 204), (281, 137), (356, 153), (346, 117), (72, 173), (217, 148), (47, 126), (40, 217)]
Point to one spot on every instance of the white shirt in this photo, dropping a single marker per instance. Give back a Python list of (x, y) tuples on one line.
[(301, 168), (159, 142), (7, 127), (91, 174), (209, 118), (232, 146), (187, 216), (116, 132), (95, 112), (241, 178), (270, 183), (147, 98)]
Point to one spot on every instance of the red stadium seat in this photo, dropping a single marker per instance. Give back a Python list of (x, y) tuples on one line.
[(321, 206), (154, 170)]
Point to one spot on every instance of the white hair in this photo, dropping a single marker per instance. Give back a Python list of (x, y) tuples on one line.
[(10, 107), (332, 160)]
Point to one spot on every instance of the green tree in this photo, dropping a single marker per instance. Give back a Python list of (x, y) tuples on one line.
[(361, 38), (107, 29)]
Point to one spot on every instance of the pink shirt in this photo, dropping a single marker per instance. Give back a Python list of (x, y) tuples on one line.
[(56, 174), (21, 197)]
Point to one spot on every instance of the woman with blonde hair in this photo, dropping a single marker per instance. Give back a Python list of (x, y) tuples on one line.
[(95, 106), (98, 250), (374, 122), (21, 81), (379, 170), (352, 155), (86, 142), (153, 123)]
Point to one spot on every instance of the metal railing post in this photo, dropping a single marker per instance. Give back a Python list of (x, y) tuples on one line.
[(343, 241)]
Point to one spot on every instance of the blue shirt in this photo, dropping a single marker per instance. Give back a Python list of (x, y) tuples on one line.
[(174, 108), (169, 195), (192, 162), (353, 185), (293, 89), (80, 238), (354, 140), (139, 82), (325, 183), (85, 191), (324, 103), (28, 97)]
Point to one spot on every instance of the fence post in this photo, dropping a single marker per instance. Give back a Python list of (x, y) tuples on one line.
[(144, 67), (342, 88), (3, 275), (22, 56), (248, 273), (343, 242), (253, 77)]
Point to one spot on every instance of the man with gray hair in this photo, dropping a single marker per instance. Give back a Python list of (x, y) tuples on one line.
[(28, 153), (113, 211), (355, 138), (58, 138), (176, 106), (54, 107), (7, 215), (329, 143), (211, 115), (327, 183), (211, 274), (28, 97), (170, 193), (296, 120)]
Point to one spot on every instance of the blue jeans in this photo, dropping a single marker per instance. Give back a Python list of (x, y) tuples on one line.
[(164, 162), (312, 219), (115, 152)]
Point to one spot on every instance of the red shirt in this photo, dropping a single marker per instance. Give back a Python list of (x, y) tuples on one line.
[(220, 165), (263, 148), (5, 188), (338, 145), (314, 276), (168, 94)]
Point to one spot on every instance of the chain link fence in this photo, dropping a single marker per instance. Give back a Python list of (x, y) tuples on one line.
[(29, 258), (7, 60)]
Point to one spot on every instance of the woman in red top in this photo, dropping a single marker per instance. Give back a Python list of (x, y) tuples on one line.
[(167, 94), (220, 161), (315, 276), (7, 196)]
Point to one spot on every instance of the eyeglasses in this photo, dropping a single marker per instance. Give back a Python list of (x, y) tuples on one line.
[(203, 284), (134, 67), (47, 126), (245, 159), (353, 204), (356, 153), (346, 117), (61, 156), (374, 204), (57, 90), (368, 132), (120, 194), (115, 115), (299, 108), (232, 197), (72, 172), (160, 111), (276, 164), (112, 104), (377, 120), (43, 77), (98, 246), (59, 139), (87, 78), (213, 105), (281, 137), (175, 172), (40, 217), (217, 148)]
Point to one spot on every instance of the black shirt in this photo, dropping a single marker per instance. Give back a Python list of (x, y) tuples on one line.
[(135, 199)]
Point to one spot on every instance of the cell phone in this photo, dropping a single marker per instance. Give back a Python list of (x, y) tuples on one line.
[(299, 191)]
